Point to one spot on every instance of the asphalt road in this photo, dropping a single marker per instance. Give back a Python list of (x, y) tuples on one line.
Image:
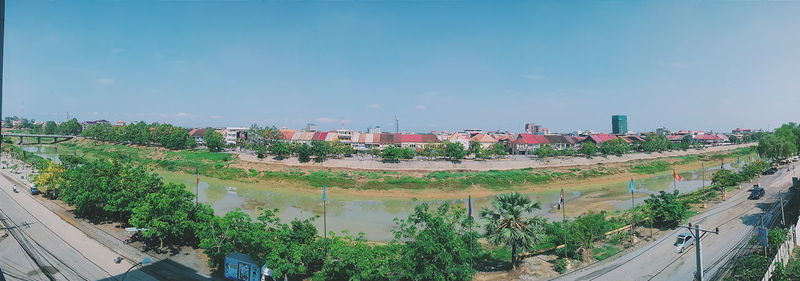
[(660, 260), (58, 247)]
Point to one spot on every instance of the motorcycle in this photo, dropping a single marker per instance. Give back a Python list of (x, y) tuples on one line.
[(16, 190)]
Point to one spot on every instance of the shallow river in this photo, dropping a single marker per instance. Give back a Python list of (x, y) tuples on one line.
[(375, 217)]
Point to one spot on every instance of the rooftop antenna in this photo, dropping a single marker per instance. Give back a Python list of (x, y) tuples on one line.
[(396, 124)]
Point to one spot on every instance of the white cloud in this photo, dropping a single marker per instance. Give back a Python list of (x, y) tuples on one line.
[(331, 120), (106, 81), (534, 76), (184, 115), (374, 106), (420, 107)]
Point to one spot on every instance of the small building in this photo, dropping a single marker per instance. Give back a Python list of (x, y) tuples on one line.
[(232, 134), (599, 138), (526, 143), (87, 124), (485, 140), (707, 139), (198, 135)]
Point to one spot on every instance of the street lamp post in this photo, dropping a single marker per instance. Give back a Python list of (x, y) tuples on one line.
[(143, 262)]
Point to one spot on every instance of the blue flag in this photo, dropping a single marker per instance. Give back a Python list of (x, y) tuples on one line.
[(630, 186), (324, 191)]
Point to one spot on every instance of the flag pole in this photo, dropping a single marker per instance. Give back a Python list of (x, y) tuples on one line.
[(196, 186), (324, 212), (633, 205), (564, 219), (703, 167)]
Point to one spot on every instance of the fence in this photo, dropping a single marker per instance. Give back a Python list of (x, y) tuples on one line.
[(784, 252)]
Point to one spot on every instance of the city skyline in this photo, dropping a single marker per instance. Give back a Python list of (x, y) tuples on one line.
[(255, 62)]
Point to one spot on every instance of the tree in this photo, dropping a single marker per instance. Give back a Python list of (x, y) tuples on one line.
[(340, 148), (50, 128), (655, 142), (320, 150), (666, 209), (280, 149), (498, 149), (167, 214), (507, 225), (304, 152), (616, 146), (724, 178), (233, 232), (391, 153), (453, 151), (545, 150), (351, 258), (214, 141), (588, 148), (71, 127), (774, 147), (439, 244), (585, 230), (50, 177)]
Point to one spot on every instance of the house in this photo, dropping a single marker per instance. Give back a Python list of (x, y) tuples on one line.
[(526, 143), (600, 138), (675, 138), (198, 135), (87, 124), (633, 139), (561, 141), (461, 138), (708, 139), (417, 141), (485, 140)]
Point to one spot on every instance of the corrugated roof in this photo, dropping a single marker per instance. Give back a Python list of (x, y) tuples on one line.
[(530, 139), (600, 138), (483, 138)]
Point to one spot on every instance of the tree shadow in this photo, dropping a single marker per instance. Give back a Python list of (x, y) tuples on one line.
[(163, 270)]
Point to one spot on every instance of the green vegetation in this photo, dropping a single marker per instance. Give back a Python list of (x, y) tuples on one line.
[(394, 153), (506, 224), (616, 146), (141, 133), (588, 149), (651, 167), (781, 144)]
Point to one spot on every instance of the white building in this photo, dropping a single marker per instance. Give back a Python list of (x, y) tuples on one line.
[(232, 134)]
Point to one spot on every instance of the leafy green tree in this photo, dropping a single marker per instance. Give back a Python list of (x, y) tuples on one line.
[(393, 153), (774, 147), (294, 250), (439, 244), (167, 214), (50, 128), (585, 230), (616, 146), (545, 150), (350, 258), (724, 178), (261, 151), (507, 224), (588, 149), (71, 127), (655, 142), (233, 232), (340, 148), (566, 152), (214, 141), (320, 150), (666, 209), (304, 152), (280, 149), (453, 151), (498, 149)]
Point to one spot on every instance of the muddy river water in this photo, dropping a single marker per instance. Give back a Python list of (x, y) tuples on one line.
[(375, 217)]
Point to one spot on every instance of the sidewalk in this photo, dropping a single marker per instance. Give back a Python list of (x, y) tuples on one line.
[(160, 269)]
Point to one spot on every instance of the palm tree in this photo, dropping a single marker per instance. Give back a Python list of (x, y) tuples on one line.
[(507, 225)]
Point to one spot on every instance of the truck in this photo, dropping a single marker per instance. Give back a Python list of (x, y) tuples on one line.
[(240, 267)]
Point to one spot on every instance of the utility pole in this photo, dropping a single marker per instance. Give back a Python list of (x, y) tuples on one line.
[(697, 232), (703, 167), (764, 229), (783, 216)]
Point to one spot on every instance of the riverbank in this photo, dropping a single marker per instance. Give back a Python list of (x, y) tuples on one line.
[(438, 185)]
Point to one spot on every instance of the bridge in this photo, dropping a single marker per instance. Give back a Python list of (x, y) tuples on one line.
[(56, 138)]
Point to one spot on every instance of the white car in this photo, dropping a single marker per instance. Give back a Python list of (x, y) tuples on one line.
[(684, 241)]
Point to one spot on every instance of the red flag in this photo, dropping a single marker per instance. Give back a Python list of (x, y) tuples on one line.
[(677, 176)]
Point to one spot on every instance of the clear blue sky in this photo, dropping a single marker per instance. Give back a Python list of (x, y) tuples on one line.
[(444, 65)]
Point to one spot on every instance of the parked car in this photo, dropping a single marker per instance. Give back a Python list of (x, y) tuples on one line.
[(51, 194), (770, 171), (684, 241), (757, 192), (35, 190)]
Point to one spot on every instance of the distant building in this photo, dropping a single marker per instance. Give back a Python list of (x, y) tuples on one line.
[(198, 135), (473, 132), (232, 134), (741, 131), (119, 124), (87, 124), (619, 124), (533, 128), (663, 131), (310, 127), (374, 130)]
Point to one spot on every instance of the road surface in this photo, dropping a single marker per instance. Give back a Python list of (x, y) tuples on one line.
[(659, 260), (58, 247)]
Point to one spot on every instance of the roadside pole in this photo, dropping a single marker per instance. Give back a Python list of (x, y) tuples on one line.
[(767, 235), (703, 167), (196, 186), (783, 216), (699, 253), (698, 232)]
